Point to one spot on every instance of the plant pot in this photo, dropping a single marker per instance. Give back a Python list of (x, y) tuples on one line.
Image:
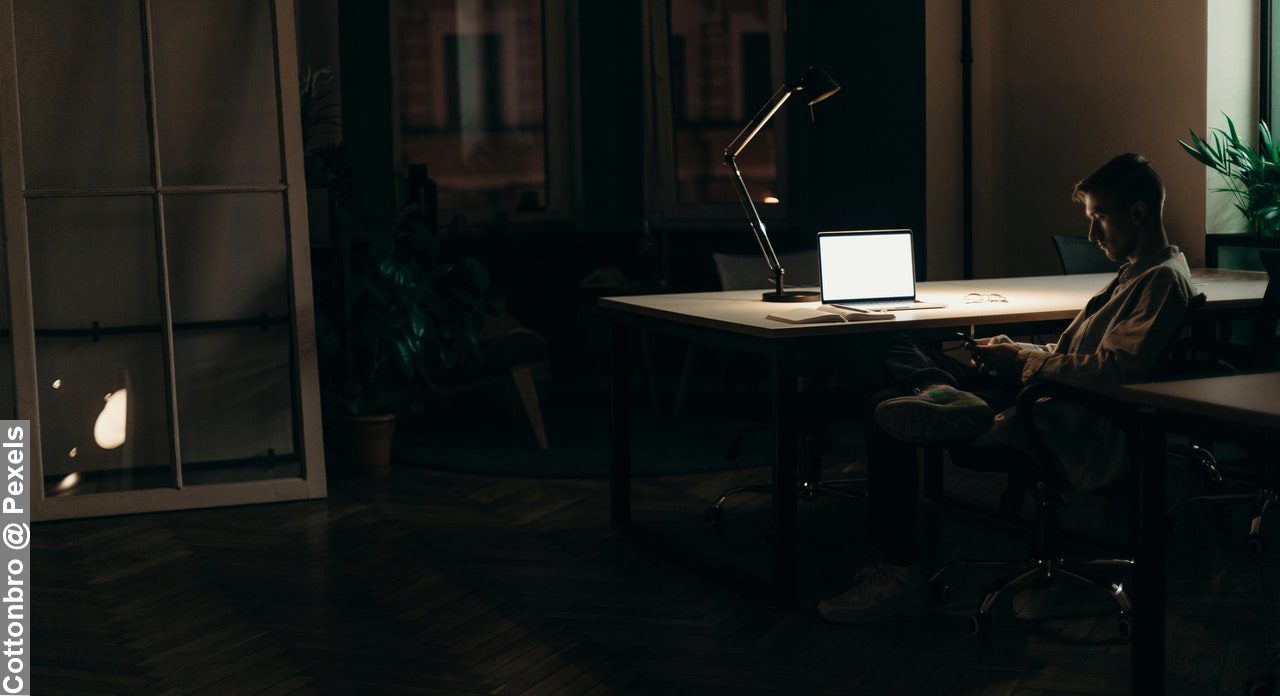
[(364, 443), (1239, 251)]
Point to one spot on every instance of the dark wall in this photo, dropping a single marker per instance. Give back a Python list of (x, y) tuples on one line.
[(610, 117), (365, 50), (861, 165)]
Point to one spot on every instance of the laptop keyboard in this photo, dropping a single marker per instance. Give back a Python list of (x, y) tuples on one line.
[(880, 305)]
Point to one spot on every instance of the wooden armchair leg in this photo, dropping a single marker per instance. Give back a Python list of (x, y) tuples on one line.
[(522, 378)]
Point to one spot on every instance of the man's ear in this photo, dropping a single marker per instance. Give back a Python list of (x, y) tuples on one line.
[(1138, 213)]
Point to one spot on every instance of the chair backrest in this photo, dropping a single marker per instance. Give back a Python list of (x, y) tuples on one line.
[(1079, 255), (750, 272)]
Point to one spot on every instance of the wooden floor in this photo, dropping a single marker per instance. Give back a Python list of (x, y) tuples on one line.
[(429, 582)]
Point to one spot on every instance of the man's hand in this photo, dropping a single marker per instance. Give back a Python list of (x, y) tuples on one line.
[(993, 340), (1000, 359)]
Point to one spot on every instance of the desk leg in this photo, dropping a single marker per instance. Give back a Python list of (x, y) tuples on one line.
[(786, 459), (933, 482), (1149, 562), (620, 365)]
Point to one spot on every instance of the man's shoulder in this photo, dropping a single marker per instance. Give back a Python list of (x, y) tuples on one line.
[(1173, 271)]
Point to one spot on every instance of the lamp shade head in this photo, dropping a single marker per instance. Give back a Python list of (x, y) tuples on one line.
[(817, 84)]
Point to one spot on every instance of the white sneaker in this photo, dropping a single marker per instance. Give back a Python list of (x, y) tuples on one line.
[(939, 413), (879, 593)]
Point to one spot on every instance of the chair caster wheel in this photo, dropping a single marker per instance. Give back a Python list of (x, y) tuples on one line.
[(1124, 626), (713, 515), (1253, 547), (938, 591), (1262, 685), (980, 623)]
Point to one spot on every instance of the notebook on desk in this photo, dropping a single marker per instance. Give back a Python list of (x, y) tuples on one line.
[(869, 270)]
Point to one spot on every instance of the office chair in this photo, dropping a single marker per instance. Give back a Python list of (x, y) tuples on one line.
[(746, 272), (1079, 255), (1035, 470), (1261, 353)]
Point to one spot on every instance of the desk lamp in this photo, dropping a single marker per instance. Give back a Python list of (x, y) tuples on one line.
[(817, 85)]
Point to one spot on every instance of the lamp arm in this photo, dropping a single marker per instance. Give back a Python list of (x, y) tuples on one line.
[(754, 220), (758, 121)]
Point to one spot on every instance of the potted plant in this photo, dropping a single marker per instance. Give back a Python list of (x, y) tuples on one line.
[(403, 311), (1253, 178)]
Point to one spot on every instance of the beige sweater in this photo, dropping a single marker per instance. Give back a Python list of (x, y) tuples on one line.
[(1120, 337)]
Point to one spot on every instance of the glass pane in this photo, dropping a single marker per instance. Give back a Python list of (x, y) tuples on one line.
[(471, 101), (216, 91), (104, 418), (81, 93), (93, 261), (720, 77), (227, 256), (235, 408), (228, 263)]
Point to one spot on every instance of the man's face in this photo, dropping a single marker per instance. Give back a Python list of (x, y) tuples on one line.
[(1115, 230)]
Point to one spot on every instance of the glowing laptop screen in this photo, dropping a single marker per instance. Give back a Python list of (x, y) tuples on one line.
[(866, 265)]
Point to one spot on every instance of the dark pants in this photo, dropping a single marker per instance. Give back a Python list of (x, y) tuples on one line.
[(892, 471)]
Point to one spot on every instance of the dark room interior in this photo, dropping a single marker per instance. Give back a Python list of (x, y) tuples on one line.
[(640, 347)]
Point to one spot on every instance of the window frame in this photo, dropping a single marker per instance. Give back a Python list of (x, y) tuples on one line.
[(661, 178), (559, 45), (1266, 87)]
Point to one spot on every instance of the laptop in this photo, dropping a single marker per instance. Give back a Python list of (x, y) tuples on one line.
[(869, 270)]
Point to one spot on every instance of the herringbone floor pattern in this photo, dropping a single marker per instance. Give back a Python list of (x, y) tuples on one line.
[(451, 584)]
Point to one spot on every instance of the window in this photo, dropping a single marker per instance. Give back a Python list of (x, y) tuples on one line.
[(713, 65), (472, 84)]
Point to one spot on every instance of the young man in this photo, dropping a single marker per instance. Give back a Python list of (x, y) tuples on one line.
[(931, 398)]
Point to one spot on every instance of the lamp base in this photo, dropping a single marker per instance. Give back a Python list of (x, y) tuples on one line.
[(791, 296)]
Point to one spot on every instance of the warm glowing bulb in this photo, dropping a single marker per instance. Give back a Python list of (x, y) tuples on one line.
[(67, 483), (57, 384), (108, 430), (772, 200)]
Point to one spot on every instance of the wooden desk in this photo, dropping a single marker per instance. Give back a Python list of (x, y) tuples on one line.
[(1246, 405), (737, 320), (1243, 400), (1042, 298)]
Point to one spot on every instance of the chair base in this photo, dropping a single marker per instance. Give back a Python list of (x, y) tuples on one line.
[(1033, 569), (1261, 497), (805, 490)]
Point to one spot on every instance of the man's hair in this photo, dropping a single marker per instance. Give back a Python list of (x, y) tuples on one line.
[(1125, 180)]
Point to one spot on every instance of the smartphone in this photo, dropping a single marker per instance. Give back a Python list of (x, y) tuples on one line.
[(968, 340)]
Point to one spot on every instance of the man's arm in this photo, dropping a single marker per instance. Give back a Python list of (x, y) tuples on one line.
[(1131, 347)]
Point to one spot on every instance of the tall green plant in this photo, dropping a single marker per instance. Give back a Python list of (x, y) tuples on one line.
[(410, 311), (1253, 174)]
